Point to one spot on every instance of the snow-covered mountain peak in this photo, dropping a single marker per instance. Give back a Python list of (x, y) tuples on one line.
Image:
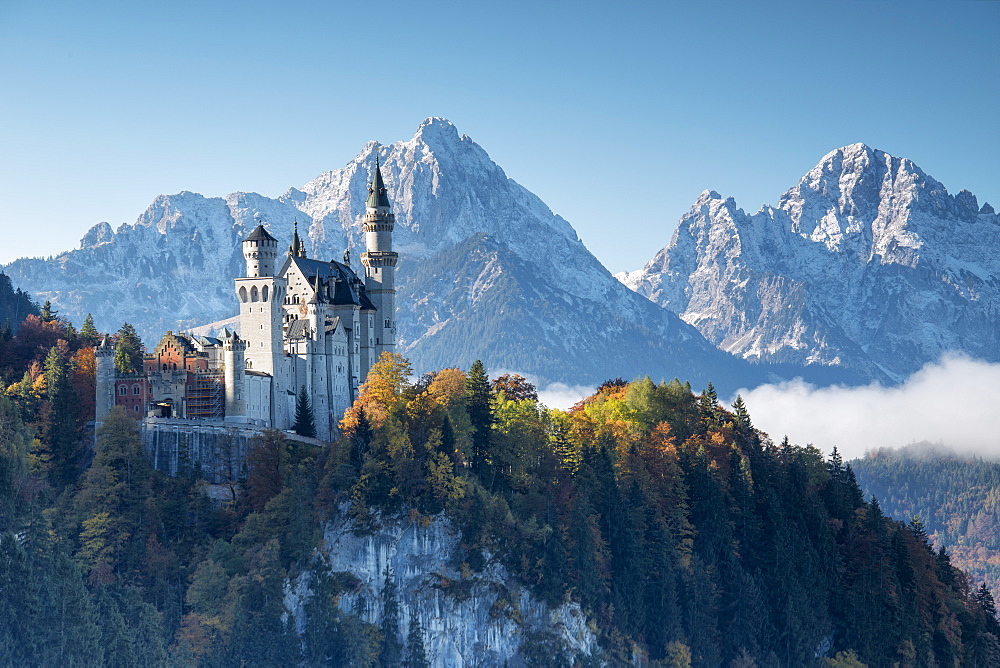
[(867, 261)]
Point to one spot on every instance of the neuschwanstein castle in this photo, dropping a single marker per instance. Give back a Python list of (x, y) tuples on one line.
[(309, 324)]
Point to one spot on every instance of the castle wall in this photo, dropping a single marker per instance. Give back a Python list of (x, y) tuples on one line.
[(218, 449)]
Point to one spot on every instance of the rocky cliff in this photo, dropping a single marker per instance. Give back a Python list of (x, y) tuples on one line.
[(481, 619)]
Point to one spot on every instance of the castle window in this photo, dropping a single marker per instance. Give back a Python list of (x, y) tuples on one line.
[(164, 367), (135, 389), (136, 408), (263, 295), (254, 296), (387, 324), (122, 390), (243, 294)]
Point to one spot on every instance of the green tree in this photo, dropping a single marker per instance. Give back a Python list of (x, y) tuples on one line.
[(478, 402), (391, 653), (305, 423), (88, 333), (48, 314), (416, 654), (128, 350), (59, 420)]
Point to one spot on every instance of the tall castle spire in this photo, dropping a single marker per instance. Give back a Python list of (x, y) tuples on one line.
[(296, 249), (377, 195), (380, 262)]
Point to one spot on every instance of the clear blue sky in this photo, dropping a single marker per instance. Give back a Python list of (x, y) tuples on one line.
[(104, 105)]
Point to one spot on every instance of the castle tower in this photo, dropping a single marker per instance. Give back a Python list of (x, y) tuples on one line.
[(234, 348), (104, 356), (260, 294), (380, 263)]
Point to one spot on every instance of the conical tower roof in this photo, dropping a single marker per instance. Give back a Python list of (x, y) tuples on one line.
[(377, 195), (260, 234)]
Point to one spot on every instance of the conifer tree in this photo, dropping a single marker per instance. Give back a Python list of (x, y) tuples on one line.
[(416, 654), (129, 350), (88, 333), (480, 408), (305, 423), (59, 419), (741, 414), (391, 653), (708, 407), (48, 314)]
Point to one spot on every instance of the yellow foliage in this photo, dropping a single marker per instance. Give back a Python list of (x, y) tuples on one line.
[(448, 386), (380, 391)]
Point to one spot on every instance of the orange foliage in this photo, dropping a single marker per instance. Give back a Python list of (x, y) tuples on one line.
[(83, 379), (448, 386), (380, 391)]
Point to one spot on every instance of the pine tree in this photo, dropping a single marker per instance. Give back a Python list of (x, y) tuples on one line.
[(48, 314), (59, 420), (129, 350), (479, 405), (742, 415), (391, 653), (708, 407), (416, 654), (88, 333), (305, 423)]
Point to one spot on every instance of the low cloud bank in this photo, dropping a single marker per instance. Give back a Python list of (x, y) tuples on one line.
[(562, 396), (955, 401)]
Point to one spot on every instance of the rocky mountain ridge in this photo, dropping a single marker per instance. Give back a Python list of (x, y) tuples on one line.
[(487, 270), (867, 264)]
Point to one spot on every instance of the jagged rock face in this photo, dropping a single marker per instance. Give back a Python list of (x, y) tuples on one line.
[(868, 263), (486, 270), (478, 620)]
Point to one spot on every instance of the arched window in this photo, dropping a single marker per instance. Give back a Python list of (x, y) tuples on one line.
[(243, 294), (135, 389), (263, 294), (253, 294), (249, 364), (122, 390), (137, 408), (164, 366)]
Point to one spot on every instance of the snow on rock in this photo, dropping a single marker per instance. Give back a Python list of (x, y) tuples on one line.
[(867, 263), (572, 322)]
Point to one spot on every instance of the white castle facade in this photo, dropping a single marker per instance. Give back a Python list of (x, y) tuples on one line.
[(306, 325)]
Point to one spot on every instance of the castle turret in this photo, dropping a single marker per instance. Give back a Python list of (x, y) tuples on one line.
[(104, 357), (380, 263), (260, 250), (261, 294), (233, 349)]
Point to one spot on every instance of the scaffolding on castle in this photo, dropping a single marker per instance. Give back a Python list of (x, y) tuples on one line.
[(206, 399)]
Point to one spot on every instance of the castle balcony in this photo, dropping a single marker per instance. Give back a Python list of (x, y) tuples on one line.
[(379, 258)]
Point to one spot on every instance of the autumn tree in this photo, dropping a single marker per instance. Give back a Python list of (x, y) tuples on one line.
[(380, 392), (515, 386)]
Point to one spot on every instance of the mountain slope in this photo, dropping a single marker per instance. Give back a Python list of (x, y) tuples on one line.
[(486, 271), (956, 497), (868, 263)]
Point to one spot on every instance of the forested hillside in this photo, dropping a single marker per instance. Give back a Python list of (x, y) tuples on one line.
[(685, 536), (957, 498), (15, 305)]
